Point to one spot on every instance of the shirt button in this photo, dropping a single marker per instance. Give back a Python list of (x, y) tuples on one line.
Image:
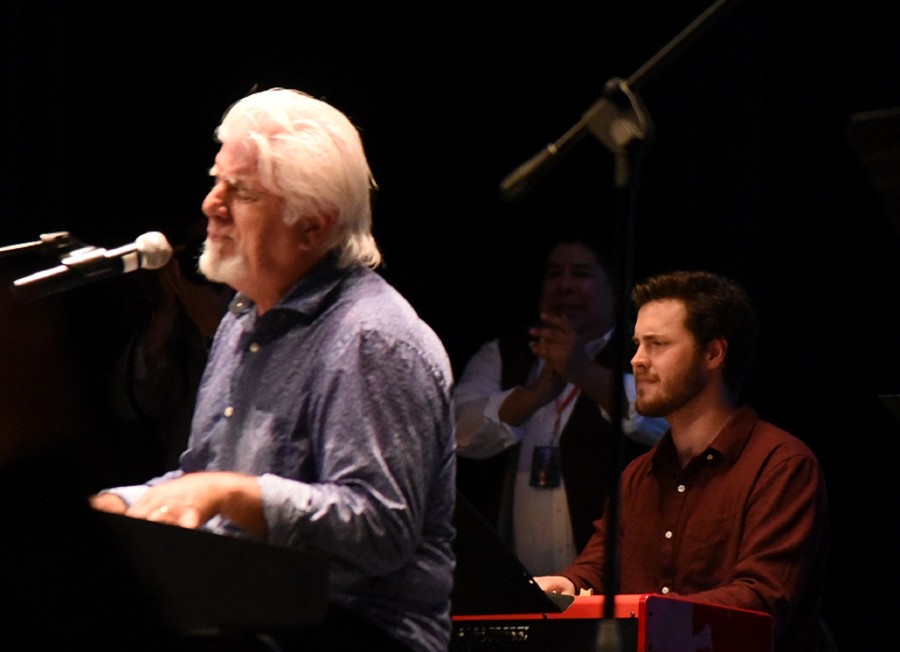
[(681, 488), (668, 534), (254, 347), (664, 590), (229, 411), (709, 457)]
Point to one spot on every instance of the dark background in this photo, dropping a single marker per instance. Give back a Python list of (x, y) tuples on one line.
[(754, 172)]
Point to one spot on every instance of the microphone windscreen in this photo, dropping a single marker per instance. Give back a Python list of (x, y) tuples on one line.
[(154, 249)]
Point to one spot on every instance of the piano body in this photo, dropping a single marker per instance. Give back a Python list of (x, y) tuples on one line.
[(498, 607), (640, 623), (204, 582), (110, 583)]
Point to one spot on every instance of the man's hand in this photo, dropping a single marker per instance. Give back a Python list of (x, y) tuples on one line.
[(194, 498), (564, 352), (108, 503), (556, 341), (190, 501), (555, 584), (525, 400)]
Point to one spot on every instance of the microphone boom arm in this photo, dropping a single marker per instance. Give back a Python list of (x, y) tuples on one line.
[(616, 127)]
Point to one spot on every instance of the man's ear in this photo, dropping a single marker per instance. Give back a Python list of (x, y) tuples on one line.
[(715, 353), (317, 230)]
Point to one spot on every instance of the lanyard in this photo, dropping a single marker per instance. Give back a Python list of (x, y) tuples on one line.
[(560, 408)]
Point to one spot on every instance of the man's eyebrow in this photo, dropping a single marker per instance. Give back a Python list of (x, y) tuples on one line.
[(233, 181)]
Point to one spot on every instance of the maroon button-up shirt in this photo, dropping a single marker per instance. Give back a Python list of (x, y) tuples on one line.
[(745, 524)]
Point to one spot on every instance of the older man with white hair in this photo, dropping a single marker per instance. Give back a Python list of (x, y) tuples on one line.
[(324, 417)]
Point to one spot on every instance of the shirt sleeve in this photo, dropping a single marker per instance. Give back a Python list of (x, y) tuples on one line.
[(478, 396), (381, 431), (587, 569)]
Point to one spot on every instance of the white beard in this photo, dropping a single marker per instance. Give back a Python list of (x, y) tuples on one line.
[(214, 267)]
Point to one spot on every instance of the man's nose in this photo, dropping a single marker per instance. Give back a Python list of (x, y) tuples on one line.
[(638, 359), (214, 203)]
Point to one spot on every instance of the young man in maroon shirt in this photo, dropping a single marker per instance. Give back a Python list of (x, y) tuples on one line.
[(726, 508)]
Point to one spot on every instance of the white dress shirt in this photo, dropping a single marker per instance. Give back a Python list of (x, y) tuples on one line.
[(542, 533)]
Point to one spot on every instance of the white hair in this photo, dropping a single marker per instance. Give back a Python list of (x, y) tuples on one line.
[(312, 155)]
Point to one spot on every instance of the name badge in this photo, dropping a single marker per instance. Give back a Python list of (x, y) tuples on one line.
[(546, 470)]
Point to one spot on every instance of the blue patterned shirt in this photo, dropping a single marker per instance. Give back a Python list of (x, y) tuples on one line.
[(338, 398)]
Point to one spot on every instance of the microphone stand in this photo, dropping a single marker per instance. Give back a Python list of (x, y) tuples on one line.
[(58, 242), (625, 134), (619, 121)]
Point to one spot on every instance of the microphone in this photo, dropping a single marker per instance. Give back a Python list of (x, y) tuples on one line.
[(149, 251)]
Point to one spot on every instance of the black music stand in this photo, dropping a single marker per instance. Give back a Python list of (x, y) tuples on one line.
[(488, 577)]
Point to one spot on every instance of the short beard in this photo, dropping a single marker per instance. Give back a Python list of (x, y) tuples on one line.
[(213, 267), (674, 394)]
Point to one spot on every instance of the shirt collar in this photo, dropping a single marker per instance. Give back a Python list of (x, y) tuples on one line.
[(733, 437), (307, 296), (727, 445)]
